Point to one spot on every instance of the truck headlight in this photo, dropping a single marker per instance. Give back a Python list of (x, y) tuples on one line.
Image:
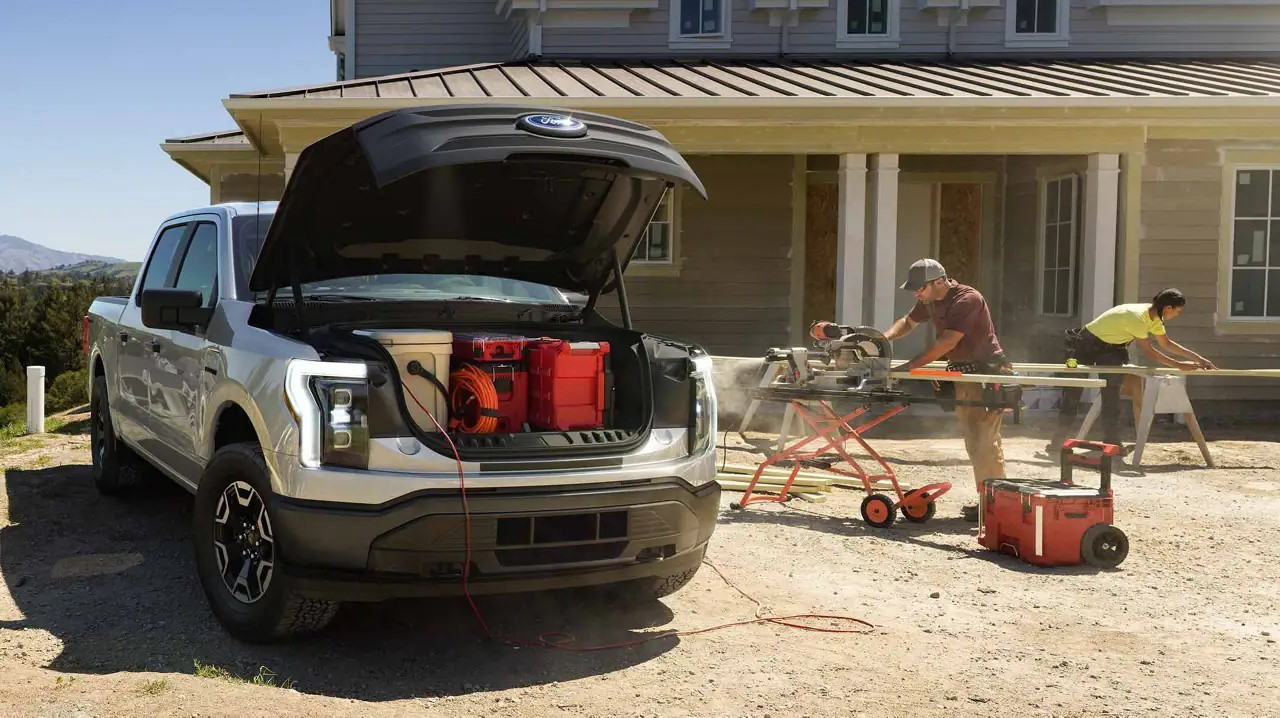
[(330, 401), (702, 414)]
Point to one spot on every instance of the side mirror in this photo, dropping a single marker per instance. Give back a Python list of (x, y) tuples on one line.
[(179, 309)]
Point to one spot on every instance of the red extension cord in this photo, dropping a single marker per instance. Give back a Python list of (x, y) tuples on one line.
[(562, 641)]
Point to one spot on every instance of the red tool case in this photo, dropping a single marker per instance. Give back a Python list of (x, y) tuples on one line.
[(570, 384), (512, 383), (488, 347), (1055, 523)]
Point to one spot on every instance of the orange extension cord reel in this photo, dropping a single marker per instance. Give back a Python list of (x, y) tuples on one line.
[(473, 401)]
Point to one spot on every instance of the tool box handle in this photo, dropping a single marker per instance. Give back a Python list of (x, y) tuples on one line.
[(1103, 463)]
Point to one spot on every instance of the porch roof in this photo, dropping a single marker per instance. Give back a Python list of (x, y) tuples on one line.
[(883, 79)]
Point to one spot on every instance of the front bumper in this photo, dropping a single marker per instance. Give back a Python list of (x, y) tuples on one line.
[(522, 539)]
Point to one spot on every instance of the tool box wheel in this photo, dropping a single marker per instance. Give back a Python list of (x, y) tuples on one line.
[(877, 510), (918, 516), (1104, 546)]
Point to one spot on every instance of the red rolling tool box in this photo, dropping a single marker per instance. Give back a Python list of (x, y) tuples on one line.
[(569, 384), (488, 347), (512, 383), (1055, 523)]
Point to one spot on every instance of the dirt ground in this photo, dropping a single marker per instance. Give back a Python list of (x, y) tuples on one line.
[(101, 614)]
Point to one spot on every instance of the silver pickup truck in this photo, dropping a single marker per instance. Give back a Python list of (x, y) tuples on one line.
[(289, 365)]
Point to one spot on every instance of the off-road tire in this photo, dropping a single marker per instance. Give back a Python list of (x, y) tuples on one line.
[(644, 590), (117, 470), (279, 612)]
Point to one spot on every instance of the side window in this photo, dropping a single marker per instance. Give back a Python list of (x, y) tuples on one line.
[(199, 268), (157, 272)]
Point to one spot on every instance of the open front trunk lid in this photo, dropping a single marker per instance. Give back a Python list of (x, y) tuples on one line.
[(513, 192)]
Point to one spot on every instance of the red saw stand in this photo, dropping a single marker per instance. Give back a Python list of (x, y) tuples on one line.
[(831, 432)]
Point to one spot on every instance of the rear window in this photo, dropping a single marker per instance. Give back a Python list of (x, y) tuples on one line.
[(247, 232)]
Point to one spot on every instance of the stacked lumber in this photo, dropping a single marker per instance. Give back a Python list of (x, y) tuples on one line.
[(807, 486)]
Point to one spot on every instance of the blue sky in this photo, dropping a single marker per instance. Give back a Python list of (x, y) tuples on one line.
[(91, 87)]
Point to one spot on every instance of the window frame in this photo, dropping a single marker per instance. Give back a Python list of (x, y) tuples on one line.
[(1042, 226), (891, 38), (187, 240), (700, 41), (670, 266), (179, 252), (1227, 254), (1060, 38)]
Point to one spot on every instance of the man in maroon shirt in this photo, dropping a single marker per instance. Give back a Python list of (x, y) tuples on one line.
[(967, 338)]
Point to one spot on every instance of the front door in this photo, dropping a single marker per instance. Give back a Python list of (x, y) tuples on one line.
[(138, 344), (959, 221), (178, 373), (820, 243)]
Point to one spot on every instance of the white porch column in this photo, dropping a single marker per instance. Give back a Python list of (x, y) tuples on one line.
[(215, 185), (884, 238), (1101, 217), (851, 243), (290, 159)]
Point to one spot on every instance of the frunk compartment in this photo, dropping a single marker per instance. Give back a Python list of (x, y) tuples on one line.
[(570, 384)]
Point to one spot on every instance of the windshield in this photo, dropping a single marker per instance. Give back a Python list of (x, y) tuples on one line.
[(249, 231), (427, 287)]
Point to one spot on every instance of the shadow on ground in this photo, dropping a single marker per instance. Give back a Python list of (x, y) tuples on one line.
[(114, 580), (923, 534)]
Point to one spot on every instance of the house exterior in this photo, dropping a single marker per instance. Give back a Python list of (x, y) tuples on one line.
[(1060, 155)]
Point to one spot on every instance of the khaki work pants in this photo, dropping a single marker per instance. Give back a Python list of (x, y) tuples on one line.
[(980, 428)]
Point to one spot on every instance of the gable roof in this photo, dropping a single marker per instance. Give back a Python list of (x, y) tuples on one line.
[(664, 79)]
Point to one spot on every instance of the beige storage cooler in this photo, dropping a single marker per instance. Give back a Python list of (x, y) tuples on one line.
[(433, 349)]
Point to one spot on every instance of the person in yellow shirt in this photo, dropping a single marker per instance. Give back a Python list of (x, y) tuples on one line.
[(1105, 342)]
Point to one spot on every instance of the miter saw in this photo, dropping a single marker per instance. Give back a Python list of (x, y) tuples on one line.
[(844, 359)]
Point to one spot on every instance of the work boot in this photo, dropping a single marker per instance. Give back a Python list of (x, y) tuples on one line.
[(970, 513)]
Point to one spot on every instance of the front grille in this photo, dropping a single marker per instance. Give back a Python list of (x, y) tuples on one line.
[(561, 528)]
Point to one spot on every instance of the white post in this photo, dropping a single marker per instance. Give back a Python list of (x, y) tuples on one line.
[(851, 244), (35, 400), (884, 237), (1101, 214)]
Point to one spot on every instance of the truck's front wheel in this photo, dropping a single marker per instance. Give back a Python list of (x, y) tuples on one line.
[(238, 554)]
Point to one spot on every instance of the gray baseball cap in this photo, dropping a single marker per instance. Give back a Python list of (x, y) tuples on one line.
[(923, 272)]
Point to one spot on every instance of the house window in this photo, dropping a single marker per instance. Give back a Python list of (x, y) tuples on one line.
[(1036, 17), (700, 24), (1037, 23), (867, 23), (1058, 229), (701, 17), (868, 17), (1255, 245), (658, 245)]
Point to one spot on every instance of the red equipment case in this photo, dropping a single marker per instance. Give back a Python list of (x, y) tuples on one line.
[(569, 384), (512, 383), (488, 347), (1055, 523)]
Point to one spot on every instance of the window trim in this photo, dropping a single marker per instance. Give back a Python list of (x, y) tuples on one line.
[(1225, 321), (1042, 194), (1014, 39), (670, 268), (704, 41), (890, 39)]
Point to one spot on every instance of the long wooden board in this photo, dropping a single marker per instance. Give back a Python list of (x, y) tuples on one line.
[(1056, 382), (1130, 369)]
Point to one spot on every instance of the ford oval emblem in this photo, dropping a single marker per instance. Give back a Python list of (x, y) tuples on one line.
[(552, 125)]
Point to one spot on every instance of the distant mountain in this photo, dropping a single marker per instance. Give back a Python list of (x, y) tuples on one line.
[(19, 255), (97, 268)]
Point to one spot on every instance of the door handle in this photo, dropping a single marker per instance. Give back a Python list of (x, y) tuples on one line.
[(124, 337), (153, 345)]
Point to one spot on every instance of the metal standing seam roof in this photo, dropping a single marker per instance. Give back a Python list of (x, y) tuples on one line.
[(1116, 78), (231, 138)]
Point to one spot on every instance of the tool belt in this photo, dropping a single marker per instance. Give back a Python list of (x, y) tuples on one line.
[(994, 396), (1086, 348)]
